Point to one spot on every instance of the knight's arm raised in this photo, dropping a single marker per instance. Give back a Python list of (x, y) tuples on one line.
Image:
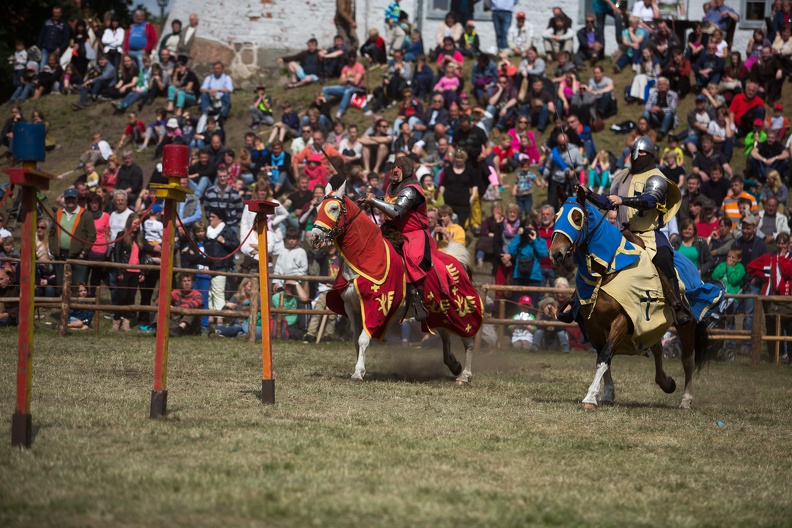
[(408, 198)]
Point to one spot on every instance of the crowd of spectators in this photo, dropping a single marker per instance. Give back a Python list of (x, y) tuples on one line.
[(466, 134)]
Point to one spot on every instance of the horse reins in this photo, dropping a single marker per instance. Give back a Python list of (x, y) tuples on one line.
[(338, 229)]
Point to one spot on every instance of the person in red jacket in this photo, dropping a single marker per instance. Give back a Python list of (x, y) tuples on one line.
[(186, 297), (745, 108), (140, 39), (776, 271)]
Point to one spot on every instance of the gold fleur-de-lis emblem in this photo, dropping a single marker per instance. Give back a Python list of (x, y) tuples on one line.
[(385, 302), (375, 288), (454, 272), (467, 328)]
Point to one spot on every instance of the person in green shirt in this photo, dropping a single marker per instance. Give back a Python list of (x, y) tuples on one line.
[(292, 293), (731, 272)]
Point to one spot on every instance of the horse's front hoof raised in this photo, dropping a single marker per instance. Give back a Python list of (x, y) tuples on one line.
[(589, 407)]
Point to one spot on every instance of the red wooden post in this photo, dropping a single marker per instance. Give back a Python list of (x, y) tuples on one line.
[(28, 147), (175, 160), (263, 208)]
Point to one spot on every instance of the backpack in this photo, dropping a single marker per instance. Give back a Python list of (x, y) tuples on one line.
[(624, 127)]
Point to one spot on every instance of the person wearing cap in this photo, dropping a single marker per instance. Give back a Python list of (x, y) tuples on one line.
[(501, 19), (649, 200), (468, 43), (261, 110), (747, 107), (753, 247), (698, 120), (522, 335), (591, 43), (767, 156), (520, 35), (778, 122), (72, 221), (755, 136), (221, 196)]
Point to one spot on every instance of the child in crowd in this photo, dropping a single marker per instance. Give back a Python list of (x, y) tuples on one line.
[(316, 171), (448, 85), (287, 126), (26, 85), (72, 80), (293, 260), (135, 131), (8, 250), (599, 172), (522, 335), (548, 308), (504, 155), (524, 146), (187, 125), (288, 296), (777, 122), (156, 129), (731, 272), (19, 60), (234, 168), (261, 109), (153, 229), (80, 319), (91, 176), (673, 146), (672, 169), (523, 187)]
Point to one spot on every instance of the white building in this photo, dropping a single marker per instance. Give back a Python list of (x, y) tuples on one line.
[(249, 35)]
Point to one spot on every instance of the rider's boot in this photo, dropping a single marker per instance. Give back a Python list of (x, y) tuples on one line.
[(416, 300), (664, 263)]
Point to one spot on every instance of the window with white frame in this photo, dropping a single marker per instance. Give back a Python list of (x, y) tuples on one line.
[(753, 13)]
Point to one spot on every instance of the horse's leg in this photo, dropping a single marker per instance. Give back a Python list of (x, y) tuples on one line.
[(687, 337), (448, 357), (666, 382), (618, 329), (608, 390), (361, 341), (467, 373)]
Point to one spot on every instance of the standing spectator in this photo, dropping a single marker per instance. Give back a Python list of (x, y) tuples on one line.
[(694, 247), (647, 11), (220, 241), (130, 176), (771, 222), (98, 252), (661, 107), (591, 43), (731, 272), (304, 67), (187, 36), (563, 165), (53, 38), (72, 221), (752, 248), (522, 191), (345, 22), (127, 251), (222, 196), (140, 39), (184, 89), (746, 107), (501, 18), (458, 185), (217, 86), (609, 8)]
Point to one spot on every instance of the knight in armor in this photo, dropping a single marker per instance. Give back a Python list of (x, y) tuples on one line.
[(405, 206), (648, 201)]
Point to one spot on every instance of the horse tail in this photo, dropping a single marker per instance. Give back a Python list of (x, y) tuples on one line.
[(459, 252), (704, 351)]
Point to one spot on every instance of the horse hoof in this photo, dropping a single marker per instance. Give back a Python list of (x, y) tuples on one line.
[(685, 404), (462, 381), (671, 386), (356, 378), (606, 403), (589, 407), (456, 370)]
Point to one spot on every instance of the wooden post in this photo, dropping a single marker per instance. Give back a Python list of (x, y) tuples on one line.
[(777, 343), (29, 148), (263, 208), (97, 302), (501, 315), (175, 160), (756, 332), (279, 317), (63, 327)]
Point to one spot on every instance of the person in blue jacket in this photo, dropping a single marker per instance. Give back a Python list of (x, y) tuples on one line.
[(526, 250)]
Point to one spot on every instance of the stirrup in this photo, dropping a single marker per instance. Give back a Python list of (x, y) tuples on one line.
[(682, 316), (416, 299)]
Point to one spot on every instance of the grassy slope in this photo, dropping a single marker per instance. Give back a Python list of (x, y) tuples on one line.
[(405, 448), (72, 130)]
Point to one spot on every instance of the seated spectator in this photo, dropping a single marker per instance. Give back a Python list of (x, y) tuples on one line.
[(414, 48), (184, 89), (187, 298), (756, 44), (694, 247), (661, 107), (127, 81), (645, 77), (663, 41), (746, 107), (315, 147), (755, 136), (774, 188), (447, 231), (448, 85), (240, 302), (261, 110), (721, 239), (768, 75), (449, 54), (95, 86), (736, 192), (8, 288), (333, 58), (677, 71), (767, 156), (352, 81), (698, 124), (49, 79), (717, 187), (394, 36), (483, 76), (217, 87), (155, 131), (643, 128), (532, 65), (601, 87), (287, 126), (287, 296), (591, 43), (523, 141), (450, 28), (134, 132), (377, 141), (722, 131), (469, 41), (782, 48), (423, 78), (557, 37), (350, 147), (568, 87), (599, 172), (706, 158), (709, 67), (99, 152), (771, 222), (374, 48), (778, 122), (538, 105), (304, 67), (633, 39), (394, 83), (721, 46)]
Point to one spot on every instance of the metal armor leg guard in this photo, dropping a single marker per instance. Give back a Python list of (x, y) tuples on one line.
[(664, 262), (416, 300)]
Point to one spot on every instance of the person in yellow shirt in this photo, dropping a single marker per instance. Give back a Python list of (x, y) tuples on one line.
[(447, 231)]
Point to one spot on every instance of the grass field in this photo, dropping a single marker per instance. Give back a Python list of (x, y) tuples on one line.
[(406, 448)]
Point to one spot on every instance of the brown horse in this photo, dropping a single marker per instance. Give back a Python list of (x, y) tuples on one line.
[(607, 323)]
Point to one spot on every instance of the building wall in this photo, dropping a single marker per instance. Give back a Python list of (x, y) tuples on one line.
[(249, 35)]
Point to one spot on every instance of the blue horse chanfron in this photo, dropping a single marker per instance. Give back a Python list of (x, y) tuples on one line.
[(619, 301)]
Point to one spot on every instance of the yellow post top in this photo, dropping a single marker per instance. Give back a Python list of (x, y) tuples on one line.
[(171, 191)]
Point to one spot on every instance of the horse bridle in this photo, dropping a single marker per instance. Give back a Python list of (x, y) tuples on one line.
[(580, 238), (337, 228)]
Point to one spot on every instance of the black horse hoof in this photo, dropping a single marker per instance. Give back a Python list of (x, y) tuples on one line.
[(671, 387)]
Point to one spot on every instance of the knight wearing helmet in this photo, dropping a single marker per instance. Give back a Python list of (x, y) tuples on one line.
[(405, 207), (649, 200)]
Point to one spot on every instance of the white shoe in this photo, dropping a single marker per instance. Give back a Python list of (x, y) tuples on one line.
[(368, 113)]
